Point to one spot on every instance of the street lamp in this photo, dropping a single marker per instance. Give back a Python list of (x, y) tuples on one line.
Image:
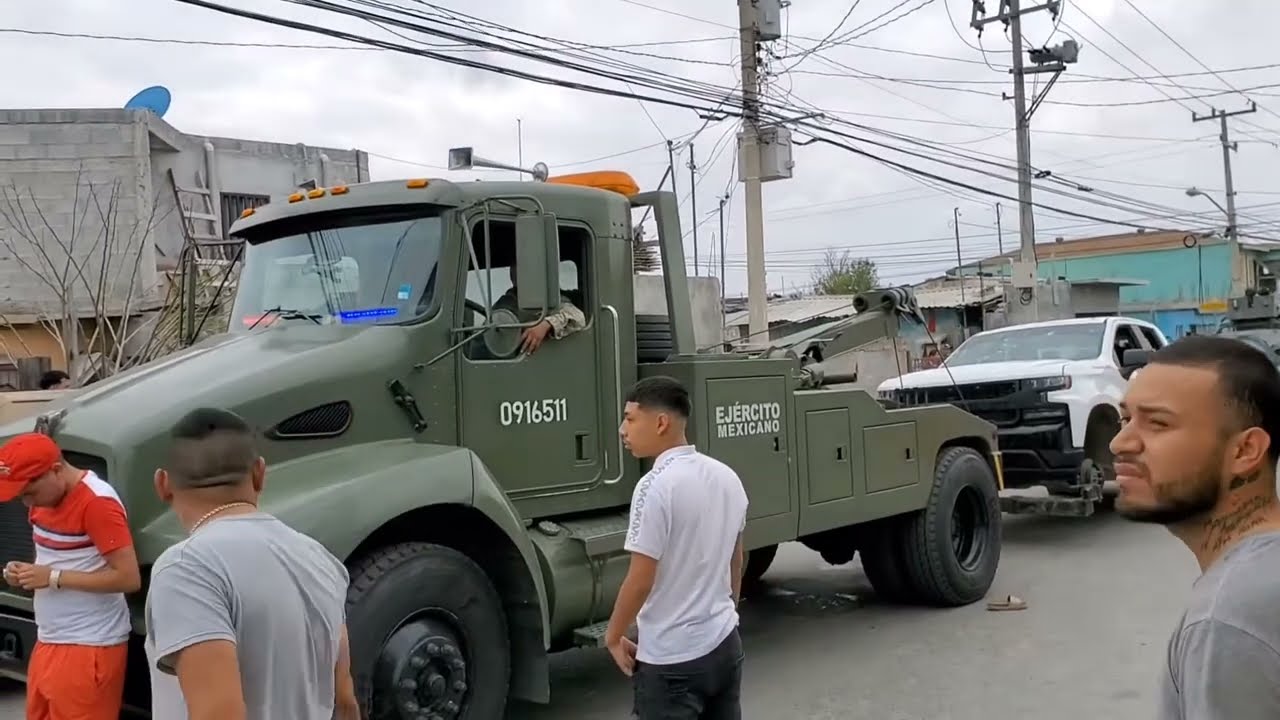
[(1233, 243), (1197, 192)]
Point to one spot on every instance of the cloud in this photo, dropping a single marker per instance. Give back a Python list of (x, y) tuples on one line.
[(925, 76)]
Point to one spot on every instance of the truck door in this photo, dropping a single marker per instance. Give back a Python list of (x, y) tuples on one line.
[(534, 420)]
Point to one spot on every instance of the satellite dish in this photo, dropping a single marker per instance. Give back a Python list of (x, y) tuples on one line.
[(155, 98)]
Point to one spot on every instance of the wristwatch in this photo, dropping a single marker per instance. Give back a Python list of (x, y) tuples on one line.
[(55, 578)]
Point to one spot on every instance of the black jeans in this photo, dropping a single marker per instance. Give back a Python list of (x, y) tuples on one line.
[(707, 688)]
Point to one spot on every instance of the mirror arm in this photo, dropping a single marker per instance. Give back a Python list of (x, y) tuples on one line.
[(450, 350)]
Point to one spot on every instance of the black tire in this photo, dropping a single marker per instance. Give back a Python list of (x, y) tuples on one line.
[(414, 610), (952, 547), (757, 564), (881, 554)]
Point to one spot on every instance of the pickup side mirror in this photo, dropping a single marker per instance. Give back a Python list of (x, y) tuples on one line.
[(537, 262), (1132, 360)]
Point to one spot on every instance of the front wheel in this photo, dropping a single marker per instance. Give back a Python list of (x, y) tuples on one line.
[(951, 548), (428, 636)]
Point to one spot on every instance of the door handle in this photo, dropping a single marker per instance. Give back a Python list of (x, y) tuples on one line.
[(580, 446)]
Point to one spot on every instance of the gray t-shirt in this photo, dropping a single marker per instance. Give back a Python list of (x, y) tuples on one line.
[(276, 593), (1224, 659)]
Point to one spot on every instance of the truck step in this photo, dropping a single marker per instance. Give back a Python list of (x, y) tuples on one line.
[(600, 536), (591, 636), (1054, 505)]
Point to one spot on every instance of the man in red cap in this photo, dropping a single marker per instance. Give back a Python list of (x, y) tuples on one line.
[(84, 565)]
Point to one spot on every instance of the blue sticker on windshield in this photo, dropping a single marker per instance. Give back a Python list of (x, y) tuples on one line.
[(347, 316), (405, 290)]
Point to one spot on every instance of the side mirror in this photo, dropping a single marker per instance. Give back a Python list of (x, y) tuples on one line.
[(1132, 361), (537, 262)]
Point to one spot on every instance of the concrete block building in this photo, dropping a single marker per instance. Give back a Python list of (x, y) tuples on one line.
[(95, 185)]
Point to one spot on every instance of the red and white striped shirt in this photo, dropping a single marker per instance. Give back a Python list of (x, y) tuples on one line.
[(76, 535)]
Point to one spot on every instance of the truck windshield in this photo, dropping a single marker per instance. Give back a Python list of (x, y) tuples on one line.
[(372, 272), (1053, 342)]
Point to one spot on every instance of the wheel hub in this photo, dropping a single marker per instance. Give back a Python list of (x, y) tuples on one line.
[(422, 673), (968, 528)]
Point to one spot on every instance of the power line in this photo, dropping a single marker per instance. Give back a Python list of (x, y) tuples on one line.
[(574, 85)]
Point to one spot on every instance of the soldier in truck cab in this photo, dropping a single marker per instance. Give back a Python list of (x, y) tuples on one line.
[(560, 322)]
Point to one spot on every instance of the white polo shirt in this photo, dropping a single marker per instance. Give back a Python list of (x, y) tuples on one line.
[(687, 513)]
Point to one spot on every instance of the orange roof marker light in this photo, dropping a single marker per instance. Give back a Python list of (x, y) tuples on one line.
[(296, 197), (317, 193), (611, 180), (338, 190), (247, 212), (416, 183)]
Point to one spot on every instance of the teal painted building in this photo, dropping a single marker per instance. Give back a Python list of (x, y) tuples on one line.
[(1187, 278)]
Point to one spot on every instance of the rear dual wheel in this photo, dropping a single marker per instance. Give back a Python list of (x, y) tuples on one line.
[(947, 553)]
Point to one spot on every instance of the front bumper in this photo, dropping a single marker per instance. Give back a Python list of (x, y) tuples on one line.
[(1034, 433), (17, 640)]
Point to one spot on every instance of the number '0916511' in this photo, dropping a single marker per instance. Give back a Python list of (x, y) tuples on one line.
[(525, 412)]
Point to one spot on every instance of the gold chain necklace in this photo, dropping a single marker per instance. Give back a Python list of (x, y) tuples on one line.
[(221, 508)]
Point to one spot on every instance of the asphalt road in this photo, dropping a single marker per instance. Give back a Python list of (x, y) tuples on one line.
[(1102, 594)]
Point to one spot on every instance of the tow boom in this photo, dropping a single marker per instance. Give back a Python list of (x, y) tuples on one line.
[(879, 315)]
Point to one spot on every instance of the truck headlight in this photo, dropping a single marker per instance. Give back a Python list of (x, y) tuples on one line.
[(1047, 384)]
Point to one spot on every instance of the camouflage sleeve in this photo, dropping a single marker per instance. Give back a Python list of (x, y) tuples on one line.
[(566, 319)]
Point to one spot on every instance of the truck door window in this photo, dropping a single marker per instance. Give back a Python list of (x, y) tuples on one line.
[(493, 277), (1126, 339), (1152, 337)]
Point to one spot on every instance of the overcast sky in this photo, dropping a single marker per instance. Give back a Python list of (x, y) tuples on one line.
[(926, 76)]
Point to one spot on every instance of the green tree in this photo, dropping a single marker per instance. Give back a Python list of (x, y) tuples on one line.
[(840, 273)]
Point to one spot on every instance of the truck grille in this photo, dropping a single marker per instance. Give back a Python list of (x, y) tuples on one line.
[(952, 394), (15, 527)]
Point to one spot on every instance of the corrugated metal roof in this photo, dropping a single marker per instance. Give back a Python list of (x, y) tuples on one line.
[(801, 309), (794, 310), (948, 295)]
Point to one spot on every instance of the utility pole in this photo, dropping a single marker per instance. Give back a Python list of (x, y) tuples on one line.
[(999, 231), (1024, 273), (724, 199), (519, 145), (693, 209), (1233, 233), (757, 291), (671, 165), (964, 307)]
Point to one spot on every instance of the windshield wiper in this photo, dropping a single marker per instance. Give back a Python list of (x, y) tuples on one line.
[(285, 314)]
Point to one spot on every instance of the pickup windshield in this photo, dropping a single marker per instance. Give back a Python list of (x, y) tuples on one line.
[(371, 272), (1052, 342)]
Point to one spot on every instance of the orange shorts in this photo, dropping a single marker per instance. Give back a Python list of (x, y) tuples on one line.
[(76, 682)]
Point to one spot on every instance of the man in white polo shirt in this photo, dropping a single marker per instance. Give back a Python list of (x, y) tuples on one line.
[(682, 589)]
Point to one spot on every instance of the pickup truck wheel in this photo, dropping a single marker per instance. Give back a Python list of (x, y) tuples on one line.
[(952, 547), (881, 553), (757, 564), (428, 636)]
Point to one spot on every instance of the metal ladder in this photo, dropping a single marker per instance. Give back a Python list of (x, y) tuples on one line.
[(201, 226)]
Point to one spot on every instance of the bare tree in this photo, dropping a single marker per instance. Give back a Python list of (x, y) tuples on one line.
[(842, 274), (91, 267)]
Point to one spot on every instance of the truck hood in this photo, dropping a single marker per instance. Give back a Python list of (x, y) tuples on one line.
[(224, 371), (984, 372)]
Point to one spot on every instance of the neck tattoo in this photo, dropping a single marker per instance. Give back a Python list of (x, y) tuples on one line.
[(1244, 517), (221, 508)]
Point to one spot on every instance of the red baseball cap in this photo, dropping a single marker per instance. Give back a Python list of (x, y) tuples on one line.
[(23, 459)]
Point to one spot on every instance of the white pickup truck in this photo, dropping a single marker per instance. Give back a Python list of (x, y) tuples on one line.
[(1053, 391)]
